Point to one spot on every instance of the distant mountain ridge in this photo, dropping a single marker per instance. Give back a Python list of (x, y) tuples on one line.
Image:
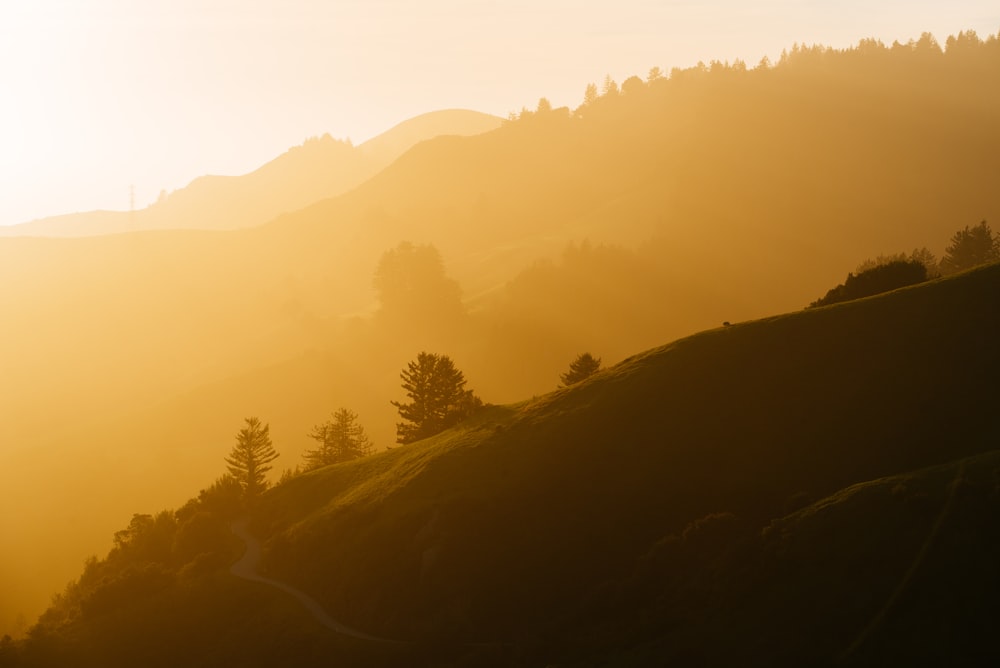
[(320, 168)]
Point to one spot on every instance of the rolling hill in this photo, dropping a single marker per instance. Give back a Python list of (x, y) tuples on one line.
[(799, 490), (321, 167), (718, 194)]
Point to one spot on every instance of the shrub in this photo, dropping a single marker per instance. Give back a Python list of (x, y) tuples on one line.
[(878, 279)]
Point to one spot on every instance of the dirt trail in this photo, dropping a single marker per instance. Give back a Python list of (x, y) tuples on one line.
[(247, 566), (917, 561)]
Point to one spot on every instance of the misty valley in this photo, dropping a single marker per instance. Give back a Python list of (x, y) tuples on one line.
[(701, 372)]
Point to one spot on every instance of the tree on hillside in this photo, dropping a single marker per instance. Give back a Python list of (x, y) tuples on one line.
[(610, 87), (413, 288), (633, 86), (340, 439), (251, 457), (438, 398), (922, 255), (583, 367), (971, 247)]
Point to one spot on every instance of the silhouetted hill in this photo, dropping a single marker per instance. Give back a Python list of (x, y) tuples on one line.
[(496, 530), (719, 194), (321, 167), (799, 490)]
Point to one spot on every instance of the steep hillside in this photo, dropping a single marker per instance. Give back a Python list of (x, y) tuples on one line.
[(321, 167), (798, 490), (488, 533), (730, 193)]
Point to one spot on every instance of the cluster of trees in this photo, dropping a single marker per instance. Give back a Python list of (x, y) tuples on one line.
[(957, 47), (876, 280), (438, 400), (969, 247), (155, 552), (436, 389), (152, 559), (340, 439)]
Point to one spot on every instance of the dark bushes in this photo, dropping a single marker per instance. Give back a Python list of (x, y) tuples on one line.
[(883, 278)]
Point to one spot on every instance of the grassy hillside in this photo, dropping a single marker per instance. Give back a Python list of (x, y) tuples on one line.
[(485, 533), (899, 569), (730, 194), (796, 490), (812, 487)]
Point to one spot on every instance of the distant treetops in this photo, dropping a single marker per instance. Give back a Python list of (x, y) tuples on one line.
[(957, 48), (969, 247)]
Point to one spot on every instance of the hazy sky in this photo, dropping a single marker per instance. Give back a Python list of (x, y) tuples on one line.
[(98, 95)]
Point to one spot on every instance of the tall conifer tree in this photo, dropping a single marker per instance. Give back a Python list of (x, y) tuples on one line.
[(250, 459)]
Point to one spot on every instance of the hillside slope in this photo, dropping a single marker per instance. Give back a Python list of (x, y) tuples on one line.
[(735, 194), (494, 530), (687, 504), (321, 167)]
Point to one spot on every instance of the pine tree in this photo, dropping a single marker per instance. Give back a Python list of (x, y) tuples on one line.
[(250, 459), (583, 367), (438, 396), (340, 439), (969, 248)]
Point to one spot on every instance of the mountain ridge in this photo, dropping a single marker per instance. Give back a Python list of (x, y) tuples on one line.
[(319, 168)]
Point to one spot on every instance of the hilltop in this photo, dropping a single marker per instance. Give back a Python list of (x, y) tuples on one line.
[(320, 168), (796, 490)]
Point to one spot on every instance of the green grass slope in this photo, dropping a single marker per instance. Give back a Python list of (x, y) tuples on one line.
[(506, 528)]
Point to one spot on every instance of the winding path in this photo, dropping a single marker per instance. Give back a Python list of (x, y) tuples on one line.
[(914, 567), (247, 566)]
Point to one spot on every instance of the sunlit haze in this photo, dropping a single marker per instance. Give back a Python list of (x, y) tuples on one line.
[(100, 96), (526, 333)]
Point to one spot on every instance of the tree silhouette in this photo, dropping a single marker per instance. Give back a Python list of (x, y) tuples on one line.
[(583, 367), (413, 288), (341, 439), (610, 88), (969, 248), (438, 398), (633, 86), (250, 459), (875, 280)]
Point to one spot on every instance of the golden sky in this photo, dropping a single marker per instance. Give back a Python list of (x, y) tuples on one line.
[(99, 95)]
